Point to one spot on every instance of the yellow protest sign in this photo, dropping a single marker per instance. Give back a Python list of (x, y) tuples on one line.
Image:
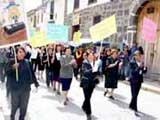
[(77, 37), (39, 39), (103, 29)]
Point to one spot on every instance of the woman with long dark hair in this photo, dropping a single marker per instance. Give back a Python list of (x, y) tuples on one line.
[(111, 73), (20, 88), (57, 67)]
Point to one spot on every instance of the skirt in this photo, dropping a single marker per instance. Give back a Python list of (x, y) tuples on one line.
[(66, 83)]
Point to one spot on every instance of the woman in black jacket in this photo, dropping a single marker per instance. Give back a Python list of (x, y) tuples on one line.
[(137, 70), (20, 88), (111, 73), (88, 83)]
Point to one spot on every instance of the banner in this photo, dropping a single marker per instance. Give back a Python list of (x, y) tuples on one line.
[(103, 29), (77, 37), (58, 33), (39, 39), (12, 22), (149, 30)]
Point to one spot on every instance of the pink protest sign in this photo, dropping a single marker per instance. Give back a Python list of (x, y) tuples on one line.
[(149, 30)]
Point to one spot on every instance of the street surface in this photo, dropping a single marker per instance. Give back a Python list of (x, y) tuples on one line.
[(46, 105)]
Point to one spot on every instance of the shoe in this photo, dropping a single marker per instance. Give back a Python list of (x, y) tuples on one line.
[(65, 103), (54, 89), (105, 93), (111, 97), (83, 109), (89, 117), (67, 99), (133, 109), (137, 114), (58, 93)]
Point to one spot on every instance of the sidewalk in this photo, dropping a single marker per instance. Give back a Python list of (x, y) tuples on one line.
[(149, 85)]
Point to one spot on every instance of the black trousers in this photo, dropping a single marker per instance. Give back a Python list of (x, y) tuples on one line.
[(87, 103), (34, 64), (77, 71), (19, 99), (49, 77), (135, 88)]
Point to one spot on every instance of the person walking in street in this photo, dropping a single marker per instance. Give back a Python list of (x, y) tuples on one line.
[(111, 74), (57, 67), (137, 70), (49, 67), (3, 59), (20, 88), (41, 64), (106, 54), (68, 63), (34, 54), (88, 83), (79, 60)]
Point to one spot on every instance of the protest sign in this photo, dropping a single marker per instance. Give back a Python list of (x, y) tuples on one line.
[(58, 33), (103, 29), (12, 23), (149, 30)]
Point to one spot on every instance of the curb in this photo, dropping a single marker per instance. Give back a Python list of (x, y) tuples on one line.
[(145, 87)]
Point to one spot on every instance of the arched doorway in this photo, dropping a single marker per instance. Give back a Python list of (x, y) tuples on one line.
[(151, 10)]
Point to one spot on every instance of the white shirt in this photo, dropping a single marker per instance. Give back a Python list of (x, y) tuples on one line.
[(96, 65), (34, 53), (58, 56)]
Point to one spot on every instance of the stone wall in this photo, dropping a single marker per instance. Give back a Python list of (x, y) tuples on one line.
[(118, 7)]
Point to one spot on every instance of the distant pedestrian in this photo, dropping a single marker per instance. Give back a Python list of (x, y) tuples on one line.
[(49, 61), (40, 61), (79, 61), (3, 59), (34, 54), (57, 67)]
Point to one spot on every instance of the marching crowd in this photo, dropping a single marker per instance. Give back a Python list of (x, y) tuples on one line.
[(61, 63)]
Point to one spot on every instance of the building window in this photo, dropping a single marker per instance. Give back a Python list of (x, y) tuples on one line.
[(76, 4), (35, 21), (92, 1), (37, 18), (96, 19), (42, 17), (52, 10)]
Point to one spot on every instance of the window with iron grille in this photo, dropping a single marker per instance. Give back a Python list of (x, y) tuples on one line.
[(76, 4), (92, 1), (96, 19), (52, 10)]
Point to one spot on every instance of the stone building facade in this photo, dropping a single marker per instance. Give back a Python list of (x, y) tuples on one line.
[(128, 14), (119, 7)]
